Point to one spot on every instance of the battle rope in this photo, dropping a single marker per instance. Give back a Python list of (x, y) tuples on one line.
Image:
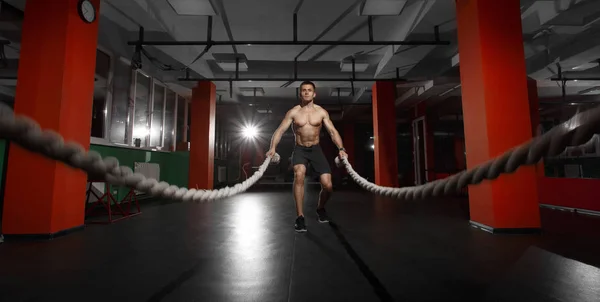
[(577, 131), (27, 134)]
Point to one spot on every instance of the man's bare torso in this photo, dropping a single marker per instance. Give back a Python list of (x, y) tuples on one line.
[(307, 123)]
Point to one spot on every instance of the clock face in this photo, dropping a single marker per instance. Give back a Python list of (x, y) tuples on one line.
[(87, 11)]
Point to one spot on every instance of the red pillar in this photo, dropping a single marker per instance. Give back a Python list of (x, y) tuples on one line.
[(202, 136), (56, 87), (384, 130), (496, 110)]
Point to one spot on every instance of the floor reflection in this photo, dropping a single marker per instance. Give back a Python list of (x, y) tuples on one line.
[(250, 251)]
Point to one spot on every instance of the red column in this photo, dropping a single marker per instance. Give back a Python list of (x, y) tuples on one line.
[(348, 133), (384, 129), (496, 110), (56, 87), (202, 136)]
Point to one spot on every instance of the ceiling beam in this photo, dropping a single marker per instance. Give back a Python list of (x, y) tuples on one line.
[(287, 43), (581, 48), (411, 16), (167, 19)]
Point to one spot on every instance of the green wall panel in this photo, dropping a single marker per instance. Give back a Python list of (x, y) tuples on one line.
[(173, 165)]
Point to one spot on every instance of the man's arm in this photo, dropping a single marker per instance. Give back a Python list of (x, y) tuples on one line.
[(335, 135), (285, 124)]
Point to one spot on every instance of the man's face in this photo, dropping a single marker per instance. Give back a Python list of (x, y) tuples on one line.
[(307, 93)]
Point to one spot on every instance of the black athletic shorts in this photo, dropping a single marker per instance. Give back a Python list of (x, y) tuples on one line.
[(312, 155)]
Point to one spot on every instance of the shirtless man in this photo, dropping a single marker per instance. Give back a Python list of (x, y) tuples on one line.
[(307, 119)]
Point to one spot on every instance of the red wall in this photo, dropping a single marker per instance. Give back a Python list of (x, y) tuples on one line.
[(570, 192)]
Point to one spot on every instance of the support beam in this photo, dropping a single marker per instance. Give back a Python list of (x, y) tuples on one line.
[(202, 136), (56, 87), (288, 43), (236, 79), (384, 129), (411, 16), (494, 86)]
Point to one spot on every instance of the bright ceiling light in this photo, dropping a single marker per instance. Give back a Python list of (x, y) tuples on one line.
[(249, 132)]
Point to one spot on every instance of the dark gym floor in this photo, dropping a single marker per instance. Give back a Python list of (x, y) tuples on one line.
[(245, 249)]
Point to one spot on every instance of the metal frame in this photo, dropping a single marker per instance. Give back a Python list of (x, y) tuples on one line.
[(174, 129), (109, 93), (209, 42), (237, 78), (185, 120), (561, 78), (156, 82), (175, 112), (164, 116), (130, 121), (130, 106), (150, 104)]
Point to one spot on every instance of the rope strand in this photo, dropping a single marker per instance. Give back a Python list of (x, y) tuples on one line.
[(577, 131), (25, 132)]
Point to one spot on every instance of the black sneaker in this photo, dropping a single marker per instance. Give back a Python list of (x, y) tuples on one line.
[(300, 226), (322, 214)]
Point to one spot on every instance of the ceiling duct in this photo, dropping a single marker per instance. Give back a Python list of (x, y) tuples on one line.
[(228, 61), (250, 92), (192, 7), (585, 66), (343, 92), (358, 66), (382, 8)]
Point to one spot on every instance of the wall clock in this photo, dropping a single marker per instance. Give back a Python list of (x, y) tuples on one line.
[(86, 11)]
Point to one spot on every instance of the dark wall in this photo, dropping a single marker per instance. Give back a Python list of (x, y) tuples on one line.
[(365, 159)]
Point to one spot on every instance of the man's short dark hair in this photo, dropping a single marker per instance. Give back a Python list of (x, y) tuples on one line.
[(308, 83)]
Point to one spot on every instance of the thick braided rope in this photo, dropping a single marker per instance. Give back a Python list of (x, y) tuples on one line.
[(577, 131), (27, 134)]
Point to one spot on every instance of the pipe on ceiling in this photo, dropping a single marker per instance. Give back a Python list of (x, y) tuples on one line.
[(287, 43), (292, 79)]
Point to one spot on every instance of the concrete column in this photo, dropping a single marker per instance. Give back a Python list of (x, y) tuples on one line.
[(384, 129), (56, 88), (202, 136), (497, 113)]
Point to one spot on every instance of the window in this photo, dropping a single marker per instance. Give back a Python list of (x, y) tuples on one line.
[(156, 131), (169, 129), (145, 112), (141, 120), (189, 120), (100, 93), (181, 116), (120, 121)]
